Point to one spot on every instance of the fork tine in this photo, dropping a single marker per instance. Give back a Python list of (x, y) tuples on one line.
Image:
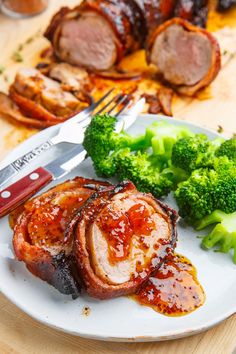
[(127, 102), (83, 115), (118, 102), (96, 104), (114, 99), (118, 99)]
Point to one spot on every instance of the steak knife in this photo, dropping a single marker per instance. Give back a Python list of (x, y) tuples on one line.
[(27, 186)]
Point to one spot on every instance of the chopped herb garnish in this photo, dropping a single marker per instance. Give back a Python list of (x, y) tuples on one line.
[(220, 129), (2, 69), (225, 52), (6, 78), (17, 57), (21, 46), (29, 40)]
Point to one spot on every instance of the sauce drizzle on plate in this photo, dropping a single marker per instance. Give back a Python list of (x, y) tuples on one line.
[(174, 290)]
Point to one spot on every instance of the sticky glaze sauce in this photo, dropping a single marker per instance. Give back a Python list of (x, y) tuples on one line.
[(48, 221), (174, 290), (118, 227)]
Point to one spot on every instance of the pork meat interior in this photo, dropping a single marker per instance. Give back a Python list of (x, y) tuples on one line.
[(185, 56), (88, 41), (121, 237)]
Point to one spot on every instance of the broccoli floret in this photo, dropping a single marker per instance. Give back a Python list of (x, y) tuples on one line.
[(145, 172), (224, 191), (208, 189), (228, 148), (193, 195), (191, 153), (223, 235), (161, 136), (101, 143)]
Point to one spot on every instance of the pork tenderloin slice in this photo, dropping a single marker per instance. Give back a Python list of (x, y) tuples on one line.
[(139, 257), (71, 77), (88, 41), (121, 237), (185, 56)]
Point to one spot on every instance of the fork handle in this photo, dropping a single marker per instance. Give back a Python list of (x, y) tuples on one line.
[(12, 169), (23, 189)]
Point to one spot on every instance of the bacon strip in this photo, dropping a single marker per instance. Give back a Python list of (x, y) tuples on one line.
[(39, 227)]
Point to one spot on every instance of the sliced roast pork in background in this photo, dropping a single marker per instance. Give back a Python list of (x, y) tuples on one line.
[(44, 100), (98, 34), (121, 236), (41, 97), (186, 56), (39, 232)]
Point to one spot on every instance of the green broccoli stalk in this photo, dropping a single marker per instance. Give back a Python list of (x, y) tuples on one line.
[(191, 153), (161, 136), (223, 235), (208, 189), (228, 148)]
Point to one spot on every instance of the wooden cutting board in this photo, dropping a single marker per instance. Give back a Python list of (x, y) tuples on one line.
[(214, 107)]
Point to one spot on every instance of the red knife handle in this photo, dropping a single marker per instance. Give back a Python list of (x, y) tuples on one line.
[(23, 189)]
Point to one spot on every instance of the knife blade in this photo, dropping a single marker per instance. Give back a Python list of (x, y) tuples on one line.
[(27, 186)]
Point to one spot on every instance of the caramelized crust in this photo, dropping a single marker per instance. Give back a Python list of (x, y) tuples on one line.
[(125, 20), (130, 20), (116, 246), (39, 228)]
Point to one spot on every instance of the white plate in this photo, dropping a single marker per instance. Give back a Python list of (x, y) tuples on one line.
[(119, 319)]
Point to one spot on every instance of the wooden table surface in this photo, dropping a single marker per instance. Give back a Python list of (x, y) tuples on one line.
[(214, 107)]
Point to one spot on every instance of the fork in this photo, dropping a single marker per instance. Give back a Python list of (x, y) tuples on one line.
[(69, 132)]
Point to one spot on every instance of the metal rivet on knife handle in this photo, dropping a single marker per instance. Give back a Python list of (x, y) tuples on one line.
[(23, 189)]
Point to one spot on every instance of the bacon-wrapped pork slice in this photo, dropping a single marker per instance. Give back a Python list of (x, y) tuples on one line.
[(39, 232), (42, 98), (186, 56), (96, 34), (121, 237)]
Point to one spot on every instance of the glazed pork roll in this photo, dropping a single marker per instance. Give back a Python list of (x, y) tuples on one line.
[(96, 34), (121, 236), (39, 232), (186, 56)]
